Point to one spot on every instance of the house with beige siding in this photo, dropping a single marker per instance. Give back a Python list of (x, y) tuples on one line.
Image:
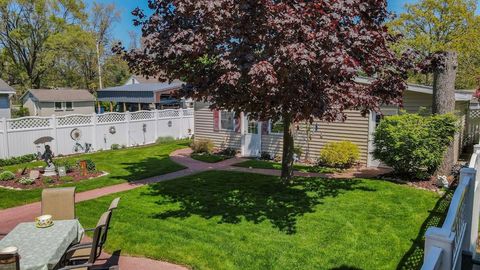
[(251, 138), (48, 102)]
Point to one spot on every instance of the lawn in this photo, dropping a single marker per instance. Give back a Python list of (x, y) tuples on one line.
[(210, 158), (263, 164), (232, 220), (123, 165)]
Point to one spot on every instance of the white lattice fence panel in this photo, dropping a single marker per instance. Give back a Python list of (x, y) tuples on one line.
[(29, 123), (188, 112), (73, 120), (475, 114), (143, 115), (168, 114), (111, 118)]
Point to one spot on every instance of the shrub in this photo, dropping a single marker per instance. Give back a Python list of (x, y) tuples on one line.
[(229, 152), (66, 178), (91, 167), (26, 181), (115, 146), (124, 146), (339, 154), (6, 176), (265, 156), (69, 165), (168, 139), (413, 145), (202, 146), (17, 160), (48, 180)]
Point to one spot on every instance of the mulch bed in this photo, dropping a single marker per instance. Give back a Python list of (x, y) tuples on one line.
[(427, 184), (74, 176)]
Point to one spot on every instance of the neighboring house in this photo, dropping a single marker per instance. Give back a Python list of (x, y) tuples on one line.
[(6, 92), (140, 93), (46, 102), (251, 138)]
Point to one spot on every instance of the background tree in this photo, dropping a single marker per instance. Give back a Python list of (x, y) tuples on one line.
[(291, 59), (431, 26)]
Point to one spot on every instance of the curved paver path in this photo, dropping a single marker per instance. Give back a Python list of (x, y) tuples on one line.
[(9, 218)]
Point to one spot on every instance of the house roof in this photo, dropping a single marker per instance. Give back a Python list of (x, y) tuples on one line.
[(146, 87), (460, 95), (61, 95), (5, 88)]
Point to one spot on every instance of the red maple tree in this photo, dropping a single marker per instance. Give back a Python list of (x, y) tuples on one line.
[(295, 60)]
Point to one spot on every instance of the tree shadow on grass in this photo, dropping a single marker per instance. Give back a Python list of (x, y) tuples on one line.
[(255, 198), (148, 167), (413, 259)]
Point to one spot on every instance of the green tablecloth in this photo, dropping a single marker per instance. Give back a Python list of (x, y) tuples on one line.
[(42, 249)]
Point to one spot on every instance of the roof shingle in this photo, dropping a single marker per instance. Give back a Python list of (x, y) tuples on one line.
[(62, 95)]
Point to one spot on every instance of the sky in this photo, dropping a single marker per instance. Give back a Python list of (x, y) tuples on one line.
[(121, 29)]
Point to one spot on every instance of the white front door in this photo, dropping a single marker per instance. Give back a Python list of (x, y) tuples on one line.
[(252, 138)]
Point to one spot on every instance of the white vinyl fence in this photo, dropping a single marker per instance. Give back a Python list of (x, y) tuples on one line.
[(76, 133), (458, 235)]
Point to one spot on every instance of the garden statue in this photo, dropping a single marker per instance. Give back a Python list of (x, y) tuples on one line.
[(47, 156)]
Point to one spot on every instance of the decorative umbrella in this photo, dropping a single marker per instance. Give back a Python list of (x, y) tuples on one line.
[(43, 140)]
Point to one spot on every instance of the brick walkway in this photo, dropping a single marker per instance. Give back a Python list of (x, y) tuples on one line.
[(11, 217)]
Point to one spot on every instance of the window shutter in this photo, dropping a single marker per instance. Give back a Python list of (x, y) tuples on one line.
[(238, 124), (265, 127), (216, 120)]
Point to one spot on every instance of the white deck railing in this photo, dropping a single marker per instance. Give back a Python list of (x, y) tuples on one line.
[(445, 246)]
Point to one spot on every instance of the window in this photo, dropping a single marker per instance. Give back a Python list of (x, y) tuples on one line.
[(227, 120), (69, 106), (58, 106), (276, 127)]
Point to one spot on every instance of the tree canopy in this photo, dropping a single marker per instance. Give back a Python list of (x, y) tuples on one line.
[(431, 26), (296, 60)]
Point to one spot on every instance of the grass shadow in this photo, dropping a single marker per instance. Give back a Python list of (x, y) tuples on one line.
[(148, 167), (234, 197), (413, 258)]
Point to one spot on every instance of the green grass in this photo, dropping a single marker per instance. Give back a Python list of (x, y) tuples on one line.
[(232, 220), (123, 165), (263, 164), (209, 158)]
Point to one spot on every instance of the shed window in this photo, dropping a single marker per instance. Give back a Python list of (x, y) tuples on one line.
[(276, 127), (69, 106), (58, 106), (227, 120)]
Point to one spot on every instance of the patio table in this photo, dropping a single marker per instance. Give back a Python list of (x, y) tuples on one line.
[(42, 249)]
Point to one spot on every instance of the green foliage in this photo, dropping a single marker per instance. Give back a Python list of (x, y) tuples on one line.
[(26, 181), (6, 176), (17, 160), (209, 158), (202, 146), (167, 139), (20, 112), (66, 179), (441, 25), (91, 167), (48, 180), (414, 145), (228, 152), (115, 146), (68, 164), (342, 154)]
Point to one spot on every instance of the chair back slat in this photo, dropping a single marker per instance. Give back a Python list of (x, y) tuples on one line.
[(9, 261), (114, 204), (59, 202)]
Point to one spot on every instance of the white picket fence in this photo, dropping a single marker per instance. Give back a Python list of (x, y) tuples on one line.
[(458, 235), (17, 136)]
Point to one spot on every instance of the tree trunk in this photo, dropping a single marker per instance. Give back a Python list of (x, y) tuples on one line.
[(100, 82), (288, 145), (444, 102)]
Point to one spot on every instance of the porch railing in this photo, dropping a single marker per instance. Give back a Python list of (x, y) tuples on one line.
[(445, 246)]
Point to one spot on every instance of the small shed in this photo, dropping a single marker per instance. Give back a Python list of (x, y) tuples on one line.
[(6, 92), (47, 102)]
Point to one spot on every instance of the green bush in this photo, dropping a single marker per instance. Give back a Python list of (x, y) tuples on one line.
[(202, 146), (48, 180), (69, 165), (414, 145), (228, 152), (17, 160), (26, 181), (339, 154), (115, 146), (168, 139), (6, 176), (66, 179)]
